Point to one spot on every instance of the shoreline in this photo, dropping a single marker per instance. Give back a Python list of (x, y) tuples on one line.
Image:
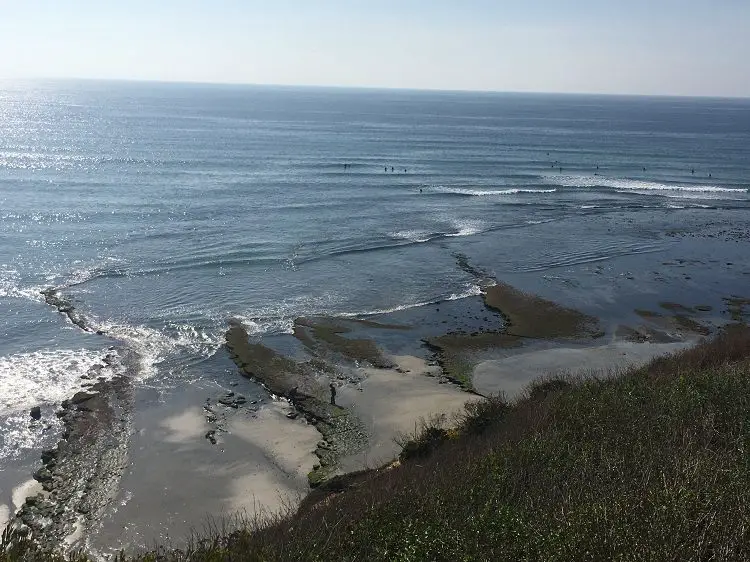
[(300, 440), (574, 344)]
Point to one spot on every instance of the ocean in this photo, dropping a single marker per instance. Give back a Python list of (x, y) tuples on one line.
[(163, 211)]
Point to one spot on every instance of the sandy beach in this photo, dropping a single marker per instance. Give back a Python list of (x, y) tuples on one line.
[(392, 403)]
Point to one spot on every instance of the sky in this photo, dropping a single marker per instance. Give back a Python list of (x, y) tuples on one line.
[(654, 47)]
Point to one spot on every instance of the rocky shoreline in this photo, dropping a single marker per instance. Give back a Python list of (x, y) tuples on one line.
[(64, 306), (79, 476), (344, 384)]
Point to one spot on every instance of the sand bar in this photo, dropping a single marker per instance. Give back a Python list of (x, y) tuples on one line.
[(392, 402), (512, 374)]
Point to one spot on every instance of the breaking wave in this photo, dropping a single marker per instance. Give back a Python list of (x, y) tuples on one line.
[(475, 192), (47, 377), (641, 186), (280, 319)]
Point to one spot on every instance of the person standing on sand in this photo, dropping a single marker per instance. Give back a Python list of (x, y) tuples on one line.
[(333, 394)]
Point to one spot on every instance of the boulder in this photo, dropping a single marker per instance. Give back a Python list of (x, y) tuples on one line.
[(80, 397)]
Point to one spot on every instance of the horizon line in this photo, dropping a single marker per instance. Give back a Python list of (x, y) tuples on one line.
[(366, 87)]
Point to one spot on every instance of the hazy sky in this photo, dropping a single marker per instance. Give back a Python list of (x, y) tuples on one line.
[(691, 47)]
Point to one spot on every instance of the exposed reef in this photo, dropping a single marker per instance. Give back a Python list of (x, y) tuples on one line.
[(326, 337), (305, 386), (79, 476), (64, 306), (530, 316)]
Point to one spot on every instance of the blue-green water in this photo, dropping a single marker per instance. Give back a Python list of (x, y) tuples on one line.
[(165, 210)]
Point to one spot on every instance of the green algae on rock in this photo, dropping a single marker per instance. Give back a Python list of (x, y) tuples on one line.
[(343, 433), (325, 336), (455, 352), (530, 316)]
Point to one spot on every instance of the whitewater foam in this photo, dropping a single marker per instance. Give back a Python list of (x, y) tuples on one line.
[(18, 434), (201, 342), (467, 228), (263, 326), (417, 236), (10, 286), (46, 377), (645, 186), (279, 317), (152, 347), (475, 192), (471, 290)]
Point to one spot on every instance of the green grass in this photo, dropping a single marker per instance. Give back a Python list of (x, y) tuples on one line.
[(653, 464)]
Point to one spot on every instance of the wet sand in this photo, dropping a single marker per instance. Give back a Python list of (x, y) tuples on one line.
[(393, 402), (178, 481), (511, 375)]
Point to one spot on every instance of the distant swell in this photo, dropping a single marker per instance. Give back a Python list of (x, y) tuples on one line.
[(596, 254)]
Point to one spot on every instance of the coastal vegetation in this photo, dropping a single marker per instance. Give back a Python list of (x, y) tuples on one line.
[(648, 464)]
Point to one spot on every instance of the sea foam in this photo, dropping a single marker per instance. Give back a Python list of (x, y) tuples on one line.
[(644, 186), (45, 377)]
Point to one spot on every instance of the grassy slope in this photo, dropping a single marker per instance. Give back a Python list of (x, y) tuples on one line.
[(650, 465)]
